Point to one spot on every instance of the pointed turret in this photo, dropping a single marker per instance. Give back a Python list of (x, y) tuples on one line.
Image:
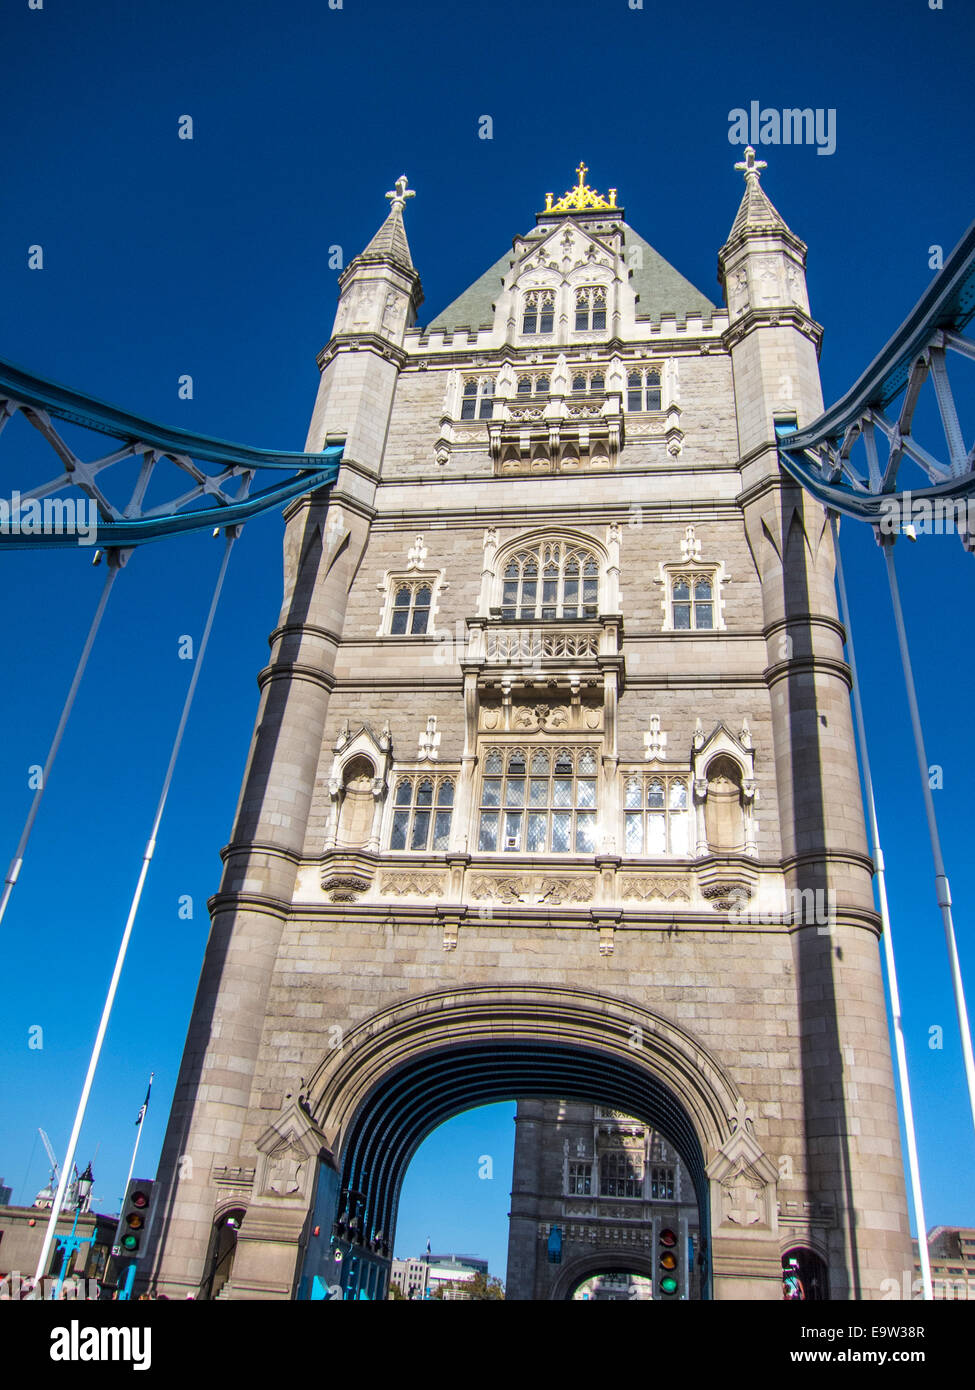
[(390, 243), (774, 343), (381, 287), (380, 294), (755, 213)]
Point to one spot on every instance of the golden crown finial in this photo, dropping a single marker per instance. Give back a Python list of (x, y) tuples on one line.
[(582, 197)]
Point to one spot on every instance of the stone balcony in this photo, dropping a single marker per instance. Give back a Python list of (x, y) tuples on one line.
[(545, 644)]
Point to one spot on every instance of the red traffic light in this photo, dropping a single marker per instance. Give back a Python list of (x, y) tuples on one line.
[(138, 1198), (667, 1237)]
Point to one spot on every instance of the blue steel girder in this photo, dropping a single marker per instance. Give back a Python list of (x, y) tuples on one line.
[(821, 456), (24, 516)]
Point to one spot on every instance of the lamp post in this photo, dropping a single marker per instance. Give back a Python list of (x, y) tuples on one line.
[(72, 1242)]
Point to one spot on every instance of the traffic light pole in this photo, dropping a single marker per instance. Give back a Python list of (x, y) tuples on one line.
[(125, 1292)]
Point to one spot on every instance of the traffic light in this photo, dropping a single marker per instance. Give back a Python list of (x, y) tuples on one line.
[(135, 1220), (668, 1262)]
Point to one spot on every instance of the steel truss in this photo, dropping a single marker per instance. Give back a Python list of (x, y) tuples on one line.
[(225, 490), (821, 456)]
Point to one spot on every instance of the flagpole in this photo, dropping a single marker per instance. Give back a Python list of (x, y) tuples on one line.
[(138, 1137)]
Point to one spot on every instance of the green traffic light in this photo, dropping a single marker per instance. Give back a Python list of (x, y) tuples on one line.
[(668, 1285)]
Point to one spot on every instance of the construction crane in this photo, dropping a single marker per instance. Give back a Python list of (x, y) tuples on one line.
[(45, 1198)]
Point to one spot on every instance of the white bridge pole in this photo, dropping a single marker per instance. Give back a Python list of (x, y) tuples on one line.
[(887, 937), (130, 920), (942, 889)]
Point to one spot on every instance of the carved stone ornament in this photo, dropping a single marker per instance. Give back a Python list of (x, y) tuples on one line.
[(344, 888), (288, 1150), (541, 716), (644, 887), (726, 894), (283, 1172), (412, 884), (743, 1178), (543, 888)]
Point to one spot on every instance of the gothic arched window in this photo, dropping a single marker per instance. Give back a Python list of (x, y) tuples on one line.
[(692, 600), (422, 803), (539, 312), (411, 609), (553, 579), (538, 801), (591, 309)]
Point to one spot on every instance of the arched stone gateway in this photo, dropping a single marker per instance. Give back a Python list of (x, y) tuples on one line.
[(588, 1267), (410, 1067)]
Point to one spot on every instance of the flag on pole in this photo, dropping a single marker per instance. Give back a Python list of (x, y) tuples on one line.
[(145, 1103)]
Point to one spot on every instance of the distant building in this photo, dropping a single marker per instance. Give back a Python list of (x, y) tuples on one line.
[(422, 1277), (410, 1277), (446, 1270), (5, 1194), (22, 1236), (951, 1250)]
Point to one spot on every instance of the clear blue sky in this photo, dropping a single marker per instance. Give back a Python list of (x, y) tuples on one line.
[(164, 257)]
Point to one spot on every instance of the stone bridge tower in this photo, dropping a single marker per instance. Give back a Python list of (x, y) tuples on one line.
[(552, 791)]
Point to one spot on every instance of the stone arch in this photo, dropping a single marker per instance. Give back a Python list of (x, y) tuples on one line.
[(411, 1066), (576, 1271), (523, 1013)]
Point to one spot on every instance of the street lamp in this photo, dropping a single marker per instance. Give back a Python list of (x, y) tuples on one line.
[(82, 1195)]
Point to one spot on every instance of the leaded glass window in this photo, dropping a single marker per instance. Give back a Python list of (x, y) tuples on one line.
[(657, 816), (692, 602), (422, 807), (550, 580), (643, 389), (540, 801), (620, 1174), (477, 402), (411, 609), (662, 1185), (539, 312), (580, 1180), (590, 309)]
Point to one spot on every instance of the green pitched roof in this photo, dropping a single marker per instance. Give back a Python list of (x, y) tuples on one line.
[(660, 289), (475, 307)]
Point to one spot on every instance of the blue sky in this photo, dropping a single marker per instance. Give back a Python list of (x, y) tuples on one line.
[(209, 257)]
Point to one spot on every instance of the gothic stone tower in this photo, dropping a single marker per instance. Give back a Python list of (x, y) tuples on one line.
[(552, 790), (596, 1193)]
